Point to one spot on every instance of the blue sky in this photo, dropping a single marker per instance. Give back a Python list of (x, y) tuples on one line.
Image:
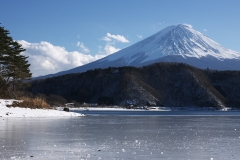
[(61, 34)]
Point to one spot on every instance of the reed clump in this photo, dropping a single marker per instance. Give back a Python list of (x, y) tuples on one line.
[(33, 103)]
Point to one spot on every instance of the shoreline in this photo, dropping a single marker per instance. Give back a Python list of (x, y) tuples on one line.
[(17, 112)]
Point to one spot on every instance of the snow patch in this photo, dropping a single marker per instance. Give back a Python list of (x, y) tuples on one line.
[(27, 112)]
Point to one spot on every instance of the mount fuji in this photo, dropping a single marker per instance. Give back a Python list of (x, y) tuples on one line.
[(177, 43)]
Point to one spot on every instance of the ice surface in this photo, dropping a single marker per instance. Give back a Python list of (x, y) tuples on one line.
[(121, 137)]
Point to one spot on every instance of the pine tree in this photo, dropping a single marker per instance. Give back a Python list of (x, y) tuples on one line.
[(14, 67)]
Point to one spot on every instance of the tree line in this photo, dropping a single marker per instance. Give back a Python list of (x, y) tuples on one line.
[(14, 66)]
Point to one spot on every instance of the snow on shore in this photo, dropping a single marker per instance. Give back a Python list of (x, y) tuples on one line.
[(27, 112)]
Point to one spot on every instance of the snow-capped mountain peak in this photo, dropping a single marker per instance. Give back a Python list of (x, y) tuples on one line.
[(177, 43), (180, 40)]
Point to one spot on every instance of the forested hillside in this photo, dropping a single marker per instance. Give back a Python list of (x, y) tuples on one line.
[(163, 84)]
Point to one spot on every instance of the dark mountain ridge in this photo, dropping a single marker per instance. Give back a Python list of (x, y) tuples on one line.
[(161, 84)]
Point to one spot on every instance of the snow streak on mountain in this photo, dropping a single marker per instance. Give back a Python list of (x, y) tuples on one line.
[(178, 43), (174, 40)]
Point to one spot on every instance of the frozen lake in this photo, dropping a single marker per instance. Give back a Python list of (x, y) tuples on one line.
[(183, 137)]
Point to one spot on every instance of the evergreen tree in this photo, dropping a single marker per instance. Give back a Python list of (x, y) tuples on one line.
[(14, 67)]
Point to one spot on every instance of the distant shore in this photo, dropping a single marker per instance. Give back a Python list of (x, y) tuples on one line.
[(118, 108), (139, 112)]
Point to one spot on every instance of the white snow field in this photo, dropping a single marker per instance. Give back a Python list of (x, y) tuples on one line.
[(27, 112)]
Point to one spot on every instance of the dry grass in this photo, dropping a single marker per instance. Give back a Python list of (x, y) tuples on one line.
[(32, 103)]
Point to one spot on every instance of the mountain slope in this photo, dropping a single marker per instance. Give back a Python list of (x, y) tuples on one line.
[(166, 84), (178, 43)]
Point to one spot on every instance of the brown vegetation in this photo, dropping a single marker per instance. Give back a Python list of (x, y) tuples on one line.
[(33, 103)]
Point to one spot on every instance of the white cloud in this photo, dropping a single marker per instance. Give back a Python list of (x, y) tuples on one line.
[(107, 39), (46, 64), (111, 40), (204, 30), (110, 37), (46, 58), (82, 47), (139, 36), (109, 49)]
